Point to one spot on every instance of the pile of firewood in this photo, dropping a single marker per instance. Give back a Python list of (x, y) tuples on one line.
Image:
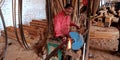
[(34, 31), (40, 27), (35, 34), (11, 33)]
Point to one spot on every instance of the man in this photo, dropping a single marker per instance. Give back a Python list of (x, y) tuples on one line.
[(62, 22)]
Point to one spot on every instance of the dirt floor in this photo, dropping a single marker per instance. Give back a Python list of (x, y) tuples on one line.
[(101, 50), (16, 52)]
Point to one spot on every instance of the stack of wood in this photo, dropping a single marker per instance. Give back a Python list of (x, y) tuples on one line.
[(41, 30), (35, 31), (11, 33), (39, 24), (40, 27), (32, 32)]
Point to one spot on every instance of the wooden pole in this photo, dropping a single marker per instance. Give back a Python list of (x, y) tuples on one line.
[(75, 10), (91, 6), (88, 35), (64, 1), (95, 6), (78, 8), (48, 6)]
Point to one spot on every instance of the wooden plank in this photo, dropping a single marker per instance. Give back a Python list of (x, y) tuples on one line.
[(38, 26), (43, 20), (12, 35), (38, 23)]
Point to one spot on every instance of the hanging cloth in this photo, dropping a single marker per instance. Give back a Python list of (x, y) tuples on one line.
[(85, 2)]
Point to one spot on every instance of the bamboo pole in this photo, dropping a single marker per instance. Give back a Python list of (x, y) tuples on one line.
[(64, 2), (61, 4), (91, 6), (95, 6), (75, 11), (78, 8), (53, 8), (88, 34), (49, 15), (58, 5)]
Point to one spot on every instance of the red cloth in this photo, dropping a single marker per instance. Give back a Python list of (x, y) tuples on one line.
[(85, 2), (62, 24)]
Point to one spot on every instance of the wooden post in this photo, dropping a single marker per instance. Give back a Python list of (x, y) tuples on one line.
[(95, 6), (88, 34), (48, 10)]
